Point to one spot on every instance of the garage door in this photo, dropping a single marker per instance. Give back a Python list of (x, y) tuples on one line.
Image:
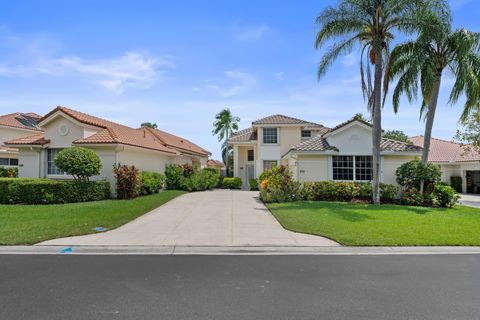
[(312, 170)]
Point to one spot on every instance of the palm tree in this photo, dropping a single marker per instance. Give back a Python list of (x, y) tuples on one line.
[(370, 24), (225, 124), (423, 62), (151, 125)]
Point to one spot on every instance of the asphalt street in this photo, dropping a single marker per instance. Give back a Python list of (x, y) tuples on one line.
[(239, 287)]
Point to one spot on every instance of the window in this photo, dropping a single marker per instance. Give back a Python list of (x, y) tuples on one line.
[(306, 133), (51, 167), (250, 155), (344, 168), (363, 168), (270, 136), (8, 162), (269, 164)]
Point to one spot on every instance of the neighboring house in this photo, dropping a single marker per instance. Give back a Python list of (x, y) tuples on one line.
[(454, 159), (314, 152), (13, 126), (147, 149), (215, 164)]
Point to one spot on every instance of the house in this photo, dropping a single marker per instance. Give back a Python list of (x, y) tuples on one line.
[(13, 126), (314, 152), (147, 149), (455, 160), (211, 163)]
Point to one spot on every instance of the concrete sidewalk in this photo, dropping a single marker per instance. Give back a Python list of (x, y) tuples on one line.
[(212, 218)]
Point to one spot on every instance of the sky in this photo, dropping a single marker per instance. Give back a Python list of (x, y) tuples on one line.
[(178, 63)]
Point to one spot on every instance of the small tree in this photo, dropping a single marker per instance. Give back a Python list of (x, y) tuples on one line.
[(151, 125), (81, 163), (397, 135), (128, 181)]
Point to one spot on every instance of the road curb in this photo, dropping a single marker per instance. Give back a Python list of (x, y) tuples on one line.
[(233, 250)]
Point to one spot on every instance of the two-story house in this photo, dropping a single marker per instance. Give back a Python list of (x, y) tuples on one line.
[(314, 152), (13, 126)]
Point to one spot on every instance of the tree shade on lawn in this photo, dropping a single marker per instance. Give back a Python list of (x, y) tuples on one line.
[(29, 224), (381, 225), (370, 24)]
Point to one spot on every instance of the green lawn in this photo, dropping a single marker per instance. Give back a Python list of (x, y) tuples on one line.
[(28, 224), (382, 225)]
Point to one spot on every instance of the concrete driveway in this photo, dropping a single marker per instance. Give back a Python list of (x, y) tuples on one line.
[(212, 218), (471, 200)]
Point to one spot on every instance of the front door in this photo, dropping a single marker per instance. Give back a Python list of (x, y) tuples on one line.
[(249, 175)]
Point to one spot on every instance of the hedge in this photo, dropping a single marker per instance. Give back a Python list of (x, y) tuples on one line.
[(456, 183), (46, 191), (232, 183)]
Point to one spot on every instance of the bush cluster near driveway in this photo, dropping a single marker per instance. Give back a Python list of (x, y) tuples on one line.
[(28, 224), (232, 183), (191, 178), (46, 191), (381, 225), (8, 172)]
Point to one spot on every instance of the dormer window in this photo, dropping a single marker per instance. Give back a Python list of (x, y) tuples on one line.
[(306, 134), (270, 135)]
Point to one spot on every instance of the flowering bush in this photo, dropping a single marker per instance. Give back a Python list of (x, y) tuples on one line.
[(277, 185)]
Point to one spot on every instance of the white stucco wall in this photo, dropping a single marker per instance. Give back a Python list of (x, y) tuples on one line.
[(353, 140), (57, 140), (312, 168), (390, 164), (29, 163), (144, 159), (10, 133)]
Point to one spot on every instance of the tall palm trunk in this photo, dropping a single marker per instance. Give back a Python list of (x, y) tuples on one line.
[(377, 125), (227, 153), (432, 106)]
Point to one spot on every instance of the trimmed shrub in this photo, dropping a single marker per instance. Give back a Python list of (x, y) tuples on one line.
[(8, 172), (127, 178), (204, 179), (232, 183), (389, 192), (151, 182), (253, 184), (277, 185), (445, 196), (46, 191), (412, 197), (410, 174), (456, 183), (81, 163), (174, 176)]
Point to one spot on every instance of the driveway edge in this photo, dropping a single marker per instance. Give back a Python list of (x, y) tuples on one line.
[(232, 250)]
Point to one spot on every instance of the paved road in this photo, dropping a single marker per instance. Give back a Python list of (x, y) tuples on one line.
[(471, 200), (239, 287), (212, 218)]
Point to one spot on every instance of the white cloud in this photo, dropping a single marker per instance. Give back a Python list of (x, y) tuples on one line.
[(251, 33), (234, 83), (132, 69), (30, 56)]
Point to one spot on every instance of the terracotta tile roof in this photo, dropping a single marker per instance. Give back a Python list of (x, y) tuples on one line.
[(215, 164), (36, 139), (20, 120), (116, 133), (7, 149), (177, 142), (448, 151), (398, 146), (343, 124), (319, 143), (244, 135), (281, 119)]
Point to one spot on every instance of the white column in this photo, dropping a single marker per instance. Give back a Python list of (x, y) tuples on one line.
[(235, 160)]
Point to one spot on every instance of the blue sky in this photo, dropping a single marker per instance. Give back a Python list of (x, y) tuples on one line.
[(177, 63)]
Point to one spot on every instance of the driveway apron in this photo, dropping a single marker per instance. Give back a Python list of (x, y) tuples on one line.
[(210, 218)]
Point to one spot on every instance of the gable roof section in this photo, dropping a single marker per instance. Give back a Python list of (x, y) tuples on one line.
[(281, 119), (215, 163), (244, 135), (177, 142), (443, 151), (36, 140), (27, 121), (111, 132)]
